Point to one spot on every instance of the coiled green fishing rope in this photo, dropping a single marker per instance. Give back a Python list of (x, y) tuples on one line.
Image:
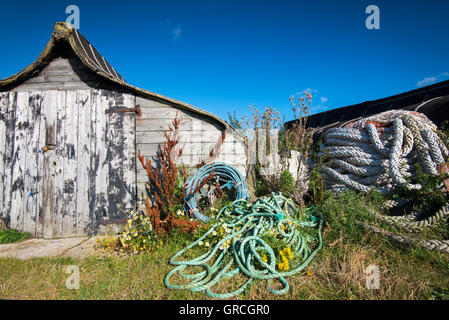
[(226, 174), (246, 225)]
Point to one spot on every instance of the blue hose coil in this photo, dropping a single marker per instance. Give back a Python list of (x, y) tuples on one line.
[(227, 174)]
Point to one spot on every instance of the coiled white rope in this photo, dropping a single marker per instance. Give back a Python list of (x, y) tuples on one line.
[(381, 152)]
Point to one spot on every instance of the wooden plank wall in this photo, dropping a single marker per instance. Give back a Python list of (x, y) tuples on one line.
[(7, 133), (4, 101), (197, 135), (86, 181), (19, 161), (62, 73)]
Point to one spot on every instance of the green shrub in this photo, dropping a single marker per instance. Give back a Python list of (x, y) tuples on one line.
[(261, 187), (430, 197), (286, 182), (317, 187), (11, 236)]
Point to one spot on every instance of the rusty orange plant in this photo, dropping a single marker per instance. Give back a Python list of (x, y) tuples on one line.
[(162, 178)]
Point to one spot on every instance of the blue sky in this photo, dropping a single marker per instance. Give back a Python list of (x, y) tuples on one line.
[(223, 55)]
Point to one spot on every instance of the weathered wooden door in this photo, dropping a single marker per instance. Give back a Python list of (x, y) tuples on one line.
[(68, 167), (113, 163)]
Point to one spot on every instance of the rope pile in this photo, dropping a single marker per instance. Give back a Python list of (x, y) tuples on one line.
[(226, 175), (247, 252), (383, 151)]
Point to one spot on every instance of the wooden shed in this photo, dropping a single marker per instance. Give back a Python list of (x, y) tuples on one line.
[(70, 128)]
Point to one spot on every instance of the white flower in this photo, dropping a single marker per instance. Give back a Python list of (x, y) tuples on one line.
[(207, 244), (200, 243), (214, 233)]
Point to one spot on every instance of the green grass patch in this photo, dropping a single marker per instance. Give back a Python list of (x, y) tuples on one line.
[(11, 236)]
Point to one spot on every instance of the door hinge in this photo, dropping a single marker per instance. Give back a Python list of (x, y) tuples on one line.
[(137, 110)]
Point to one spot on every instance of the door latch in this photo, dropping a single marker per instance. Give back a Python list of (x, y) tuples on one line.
[(48, 147)]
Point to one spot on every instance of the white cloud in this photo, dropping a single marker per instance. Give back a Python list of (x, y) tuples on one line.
[(176, 32), (430, 80), (426, 80), (323, 99)]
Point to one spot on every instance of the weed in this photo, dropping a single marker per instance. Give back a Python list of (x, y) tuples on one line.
[(286, 182), (11, 236)]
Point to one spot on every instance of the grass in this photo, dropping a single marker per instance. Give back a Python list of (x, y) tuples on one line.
[(337, 272), (11, 236)]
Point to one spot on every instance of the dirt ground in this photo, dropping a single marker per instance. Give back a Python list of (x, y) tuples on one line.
[(35, 248)]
